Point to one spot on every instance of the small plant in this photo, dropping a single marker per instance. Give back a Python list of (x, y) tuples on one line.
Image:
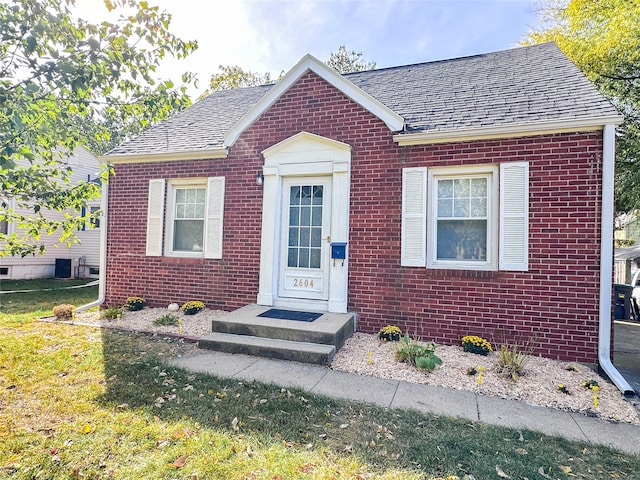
[(418, 354), (571, 368), (167, 319), (477, 345), (390, 333), (591, 385), (134, 304), (512, 361), (563, 388), (64, 311), (191, 308), (112, 313), (481, 373), (472, 371)]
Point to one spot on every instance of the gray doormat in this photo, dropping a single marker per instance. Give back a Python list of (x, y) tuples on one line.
[(291, 315)]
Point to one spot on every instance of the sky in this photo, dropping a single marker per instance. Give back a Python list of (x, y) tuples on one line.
[(271, 36)]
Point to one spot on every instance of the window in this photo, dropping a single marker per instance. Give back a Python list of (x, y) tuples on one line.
[(461, 221), (95, 220), (188, 219), (472, 218), (4, 224), (193, 223)]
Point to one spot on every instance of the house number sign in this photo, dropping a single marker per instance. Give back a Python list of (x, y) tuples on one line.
[(309, 283)]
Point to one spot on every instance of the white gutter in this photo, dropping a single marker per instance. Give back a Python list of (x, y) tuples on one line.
[(102, 288), (165, 156), (606, 256), (502, 131)]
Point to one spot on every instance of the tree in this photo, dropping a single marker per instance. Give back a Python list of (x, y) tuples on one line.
[(345, 61), (66, 82), (603, 39), (231, 77), (235, 77)]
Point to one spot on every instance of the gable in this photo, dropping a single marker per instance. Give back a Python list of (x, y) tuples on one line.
[(308, 63)]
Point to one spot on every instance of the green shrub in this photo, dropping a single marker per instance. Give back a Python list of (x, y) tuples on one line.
[(477, 345), (64, 311), (167, 319), (134, 304), (112, 313), (191, 308), (390, 333), (418, 354), (512, 361)]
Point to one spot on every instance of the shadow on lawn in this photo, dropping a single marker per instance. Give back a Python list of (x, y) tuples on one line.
[(137, 375)]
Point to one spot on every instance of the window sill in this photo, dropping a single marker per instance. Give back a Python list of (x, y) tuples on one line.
[(450, 272)]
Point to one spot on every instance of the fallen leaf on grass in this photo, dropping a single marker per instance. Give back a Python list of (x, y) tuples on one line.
[(86, 429), (307, 467), (566, 470), (180, 462), (501, 472)]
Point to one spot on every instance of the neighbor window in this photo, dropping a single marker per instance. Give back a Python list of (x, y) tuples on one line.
[(473, 217), (4, 224)]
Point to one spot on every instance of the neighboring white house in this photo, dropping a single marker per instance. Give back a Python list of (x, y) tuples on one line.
[(79, 260)]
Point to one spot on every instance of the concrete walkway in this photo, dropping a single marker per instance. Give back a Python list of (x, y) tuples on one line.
[(424, 398)]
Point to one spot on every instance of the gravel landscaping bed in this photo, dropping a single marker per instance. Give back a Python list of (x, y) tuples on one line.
[(365, 354)]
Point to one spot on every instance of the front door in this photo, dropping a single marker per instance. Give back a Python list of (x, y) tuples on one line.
[(305, 245)]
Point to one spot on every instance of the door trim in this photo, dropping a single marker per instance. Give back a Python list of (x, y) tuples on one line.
[(302, 155)]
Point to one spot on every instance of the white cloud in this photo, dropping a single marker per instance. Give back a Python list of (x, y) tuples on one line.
[(270, 35)]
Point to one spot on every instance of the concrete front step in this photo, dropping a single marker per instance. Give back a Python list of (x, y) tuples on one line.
[(269, 347), (243, 331)]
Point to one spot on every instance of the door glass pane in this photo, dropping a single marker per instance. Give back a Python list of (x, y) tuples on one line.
[(305, 226), (306, 195), (294, 199), (315, 258), (316, 236), (303, 262), (316, 216), (293, 257), (305, 234), (293, 237), (305, 216)]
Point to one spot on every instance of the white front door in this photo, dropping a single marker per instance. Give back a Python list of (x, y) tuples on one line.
[(305, 239)]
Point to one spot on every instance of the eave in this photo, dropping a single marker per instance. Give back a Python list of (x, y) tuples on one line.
[(506, 131), (165, 156)]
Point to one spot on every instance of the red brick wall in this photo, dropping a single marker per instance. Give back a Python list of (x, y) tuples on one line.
[(555, 303)]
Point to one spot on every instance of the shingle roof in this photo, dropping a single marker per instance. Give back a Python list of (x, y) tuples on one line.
[(525, 85)]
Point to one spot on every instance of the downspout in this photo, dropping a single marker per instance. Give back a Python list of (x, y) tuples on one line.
[(102, 288), (606, 256)]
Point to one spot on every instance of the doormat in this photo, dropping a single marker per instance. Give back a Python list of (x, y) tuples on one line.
[(291, 315)]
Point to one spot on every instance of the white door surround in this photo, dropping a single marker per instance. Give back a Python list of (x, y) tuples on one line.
[(293, 161)]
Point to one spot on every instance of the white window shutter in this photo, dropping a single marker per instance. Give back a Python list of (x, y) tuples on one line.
[(214, 220), (414, 217), (514, 216), (155, 214)]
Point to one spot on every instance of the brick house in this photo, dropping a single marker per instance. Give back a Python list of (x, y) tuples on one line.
[(470, 196)]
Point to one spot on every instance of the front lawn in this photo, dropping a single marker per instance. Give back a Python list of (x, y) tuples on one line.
[(76, 402)]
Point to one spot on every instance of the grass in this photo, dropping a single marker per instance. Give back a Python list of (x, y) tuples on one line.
[(50, 293), (76, 402)]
